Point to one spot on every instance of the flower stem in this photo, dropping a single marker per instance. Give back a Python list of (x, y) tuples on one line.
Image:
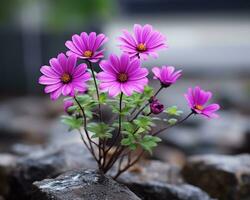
[(117, 151), (97, 90), (181, 121), (91, 142), (99, 109)]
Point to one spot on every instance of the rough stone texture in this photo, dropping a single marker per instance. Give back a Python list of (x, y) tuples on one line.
[(155, 180), (47, 163), (223, 177), (7, 163), (211, 136), (81, 185)]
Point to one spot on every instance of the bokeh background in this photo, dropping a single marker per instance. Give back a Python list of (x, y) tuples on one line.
[(208, 39)]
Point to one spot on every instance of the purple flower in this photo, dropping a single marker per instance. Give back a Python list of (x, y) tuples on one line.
[(122, 75), (167, 75), (86, 46), (67, 104), (155, 106), (197, 98), (145, 42), (63, 77)]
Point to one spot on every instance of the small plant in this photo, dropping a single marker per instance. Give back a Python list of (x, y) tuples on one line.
[(122, 87)]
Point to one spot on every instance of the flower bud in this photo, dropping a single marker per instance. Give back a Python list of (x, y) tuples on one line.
[(67, 104), (155, 106)]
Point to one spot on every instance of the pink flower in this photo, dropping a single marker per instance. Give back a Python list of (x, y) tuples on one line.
[(122, 75), (197, 98), (63, 77), (86, 46), (67, 104), (155, 106), (167, 75), (145, 42)]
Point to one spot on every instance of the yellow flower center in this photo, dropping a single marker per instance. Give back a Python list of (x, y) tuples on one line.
[(87, 53), (122, 77), (141, 47), (199, 107), (66, 78)]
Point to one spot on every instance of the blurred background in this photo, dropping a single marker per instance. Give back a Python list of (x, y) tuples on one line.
[(208, 39)]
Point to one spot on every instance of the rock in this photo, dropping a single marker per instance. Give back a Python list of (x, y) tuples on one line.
[(82, 184), (222, 176), (155, 180), (47, 163), (7, 163), (170, 155), (26, 119), (212, 136)]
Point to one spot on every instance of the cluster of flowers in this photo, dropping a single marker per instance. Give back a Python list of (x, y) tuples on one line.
[(120, 75)]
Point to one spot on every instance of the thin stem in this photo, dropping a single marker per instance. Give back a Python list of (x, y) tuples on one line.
[(99, 106), (119, 128), (90, 147), (165, 128), (116, 137), (96, 87), (130, 164)]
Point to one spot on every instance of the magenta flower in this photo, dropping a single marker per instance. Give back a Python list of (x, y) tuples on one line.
[(122, 75), (197, 98), (67, 104), (155, 106), (167, 75), (86, 46), (145, 42), (63, 77)]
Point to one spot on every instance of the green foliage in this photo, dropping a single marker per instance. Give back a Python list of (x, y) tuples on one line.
[(173, 111), (144, 122), (72, 122), (172, 121), (130, 141), (100, 130), (149, 142)]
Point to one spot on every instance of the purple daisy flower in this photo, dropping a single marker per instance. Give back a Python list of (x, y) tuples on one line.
[(122, 75), (197, 98), (145, 42), (63, 77), (86, 46), (167, 75)]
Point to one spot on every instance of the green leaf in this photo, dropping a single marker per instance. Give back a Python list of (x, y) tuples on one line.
[(103, 98), (173, 111), (148, 91), (130, 142), (172, 121), (144, 122), (149, 142), (72, 122), (100, 130)]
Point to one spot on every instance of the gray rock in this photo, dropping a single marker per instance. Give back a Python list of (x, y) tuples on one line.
[(81, 184), (222, 176), (7, 163), (47, 163), (155, 180), (212, 136)]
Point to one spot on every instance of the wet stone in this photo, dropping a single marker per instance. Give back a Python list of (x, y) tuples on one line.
[(81, 185), (155, 180), (46, 163), (222, 176)]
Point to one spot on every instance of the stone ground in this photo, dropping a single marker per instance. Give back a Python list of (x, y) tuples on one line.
[(40, 159)]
